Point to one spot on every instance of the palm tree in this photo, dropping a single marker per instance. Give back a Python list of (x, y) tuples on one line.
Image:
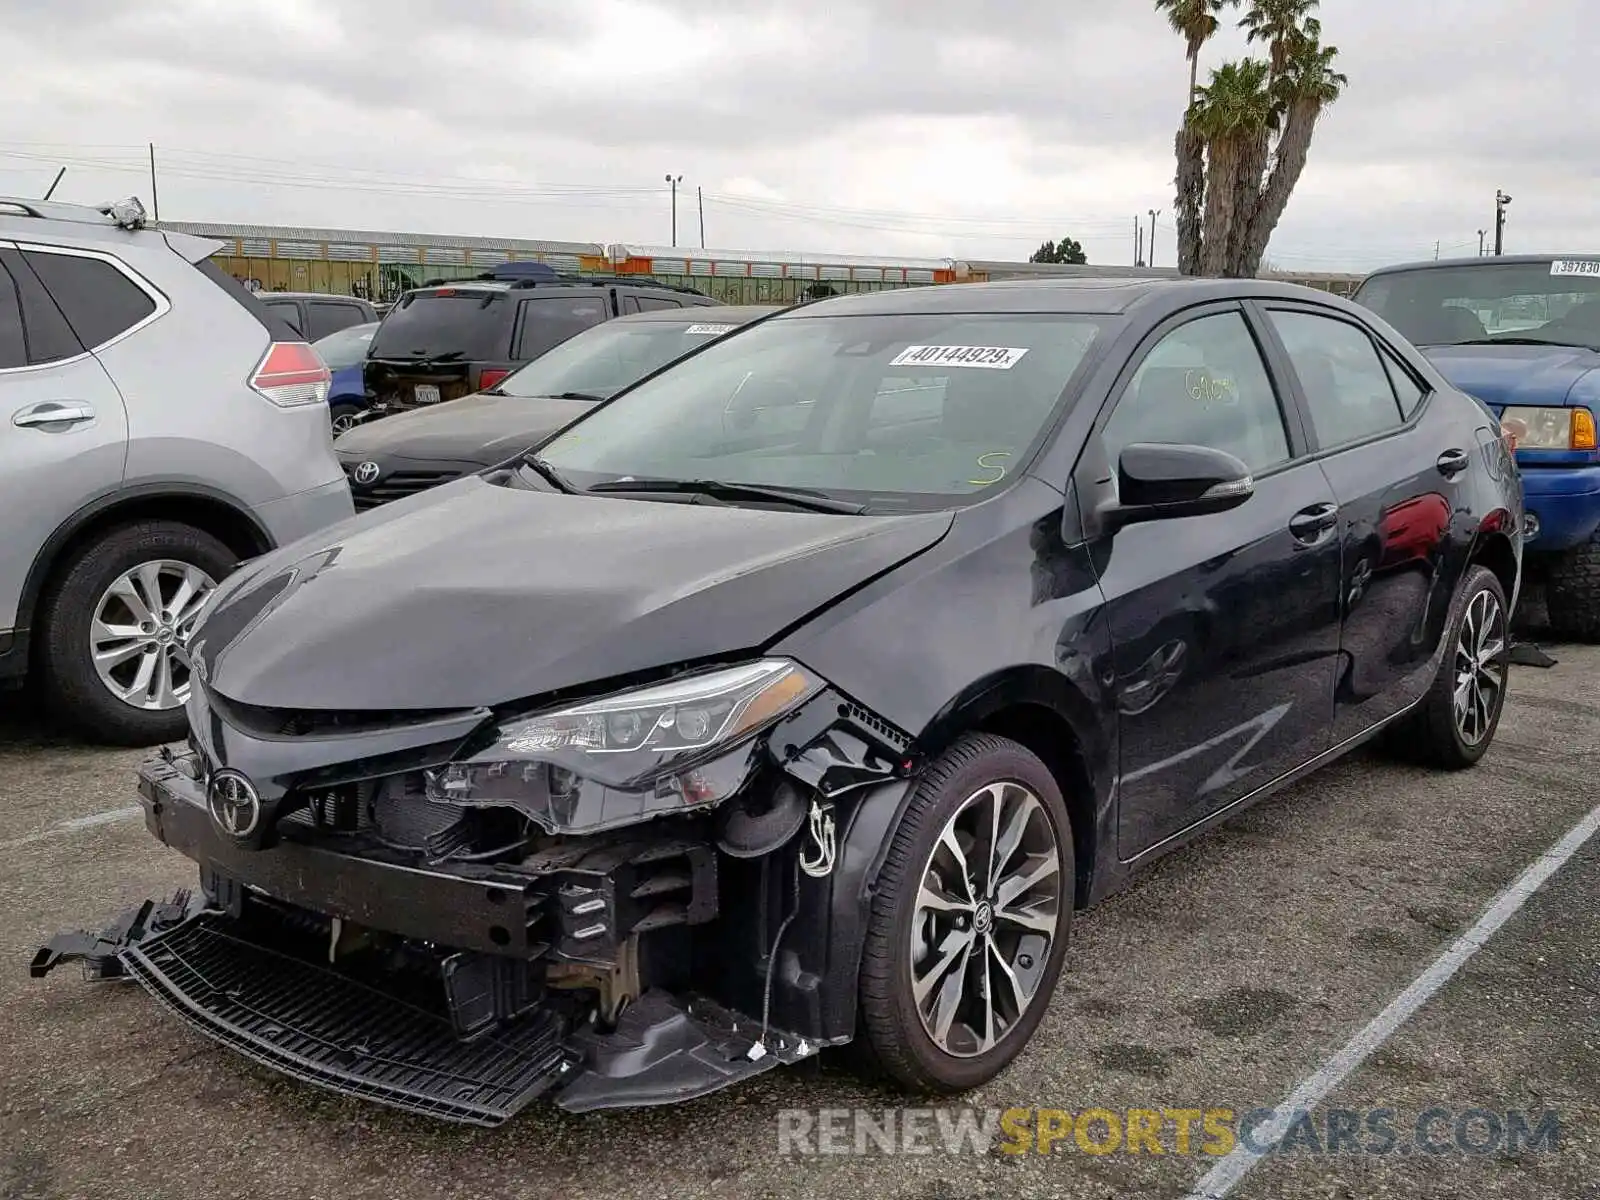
[(1196, 21), (1283, 25), (1234, 116), (1302, 93)]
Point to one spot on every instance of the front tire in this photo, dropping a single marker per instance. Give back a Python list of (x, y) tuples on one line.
[(1572, 594), (344, 417), (1455, 723), (111, 625), (969, 923)]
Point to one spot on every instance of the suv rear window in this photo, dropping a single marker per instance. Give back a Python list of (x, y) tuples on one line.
[(467, 324)]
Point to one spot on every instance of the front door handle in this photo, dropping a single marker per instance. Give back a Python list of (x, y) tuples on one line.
[(54, 412), (1452, 462), (1310, 524)]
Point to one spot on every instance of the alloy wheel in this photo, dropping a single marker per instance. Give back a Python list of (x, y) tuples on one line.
[(344, 423), (985, 920), (1480, 668), (140, 624)]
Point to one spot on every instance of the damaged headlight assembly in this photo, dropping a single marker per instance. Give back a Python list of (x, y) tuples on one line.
[(683, 744)]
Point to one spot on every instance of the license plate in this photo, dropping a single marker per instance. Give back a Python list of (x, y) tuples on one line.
[(425, 393)]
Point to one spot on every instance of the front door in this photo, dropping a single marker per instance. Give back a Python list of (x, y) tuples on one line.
[(1224, 627)]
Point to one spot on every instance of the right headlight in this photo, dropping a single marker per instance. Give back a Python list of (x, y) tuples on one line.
[(664, 746), (1549, 428)]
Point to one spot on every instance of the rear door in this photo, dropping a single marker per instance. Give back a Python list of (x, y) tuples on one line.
[(329, 316), (1225, 626), (1394, 468), (63, 427)]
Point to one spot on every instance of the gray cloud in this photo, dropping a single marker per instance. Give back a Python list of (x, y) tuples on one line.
[(1017, 121)]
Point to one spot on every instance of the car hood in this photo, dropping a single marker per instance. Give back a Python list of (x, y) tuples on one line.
[(1507, 375), (482, 429), (480, 593)]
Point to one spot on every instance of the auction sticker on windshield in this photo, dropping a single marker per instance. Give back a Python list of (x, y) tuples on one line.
[(711, 329), (994, 358), (1575, 266)]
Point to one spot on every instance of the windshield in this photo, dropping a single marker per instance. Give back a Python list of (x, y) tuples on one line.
[(901, 411), (347, 347), (600, 362), (428, 324), (1557, 300)]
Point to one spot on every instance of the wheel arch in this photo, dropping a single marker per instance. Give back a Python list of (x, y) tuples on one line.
[(1492, 548), (208, 509)]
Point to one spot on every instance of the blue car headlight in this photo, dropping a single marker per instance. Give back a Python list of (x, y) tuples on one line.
[(685, 743)]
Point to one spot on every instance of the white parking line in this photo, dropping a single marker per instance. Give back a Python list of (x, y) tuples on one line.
[(75, 825), (1225, 1176)]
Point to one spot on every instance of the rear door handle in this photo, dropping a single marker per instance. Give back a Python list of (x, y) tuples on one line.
[(51, 412), (1309, 524), (1452, 462)]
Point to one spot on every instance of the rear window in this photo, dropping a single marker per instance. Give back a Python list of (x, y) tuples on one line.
[(468, 325), (1555, 301), (98, 300)]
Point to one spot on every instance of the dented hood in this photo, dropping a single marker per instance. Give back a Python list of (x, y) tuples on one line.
[(479, 593)]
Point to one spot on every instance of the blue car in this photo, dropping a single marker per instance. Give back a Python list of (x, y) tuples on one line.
[(345, 352), (1522, 334)]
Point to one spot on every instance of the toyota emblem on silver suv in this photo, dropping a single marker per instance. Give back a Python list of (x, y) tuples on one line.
[(367, 473), (234, 803)]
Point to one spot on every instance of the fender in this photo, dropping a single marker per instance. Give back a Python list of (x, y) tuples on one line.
[(110, 501)]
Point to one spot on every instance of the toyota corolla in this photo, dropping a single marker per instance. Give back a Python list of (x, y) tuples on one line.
[(800, 694)]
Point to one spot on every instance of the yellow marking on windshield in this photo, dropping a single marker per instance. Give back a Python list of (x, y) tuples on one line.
[(998, 468)]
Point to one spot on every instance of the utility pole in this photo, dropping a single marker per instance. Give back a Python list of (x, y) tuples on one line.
[(1436, 242), (1500, 202), (1150, 247), (674, 181), (700, 201), (1138, 241), (155, 200), (1482, 233)]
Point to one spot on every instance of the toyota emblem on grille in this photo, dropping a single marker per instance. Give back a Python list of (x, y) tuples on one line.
[(234, 803), (367, 472)]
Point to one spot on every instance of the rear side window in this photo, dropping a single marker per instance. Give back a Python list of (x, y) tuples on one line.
[(1406, 389), (547, 321), (286, 311), (45, 331), (12, 351), (656, 303), (98, 300), (1347, 390), (330, 316), (467, 325)]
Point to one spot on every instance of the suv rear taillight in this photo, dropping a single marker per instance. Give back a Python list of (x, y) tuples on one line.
[(291, 374), (491, 377)]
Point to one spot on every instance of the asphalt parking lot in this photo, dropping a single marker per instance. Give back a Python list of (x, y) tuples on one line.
[(1225, 977)]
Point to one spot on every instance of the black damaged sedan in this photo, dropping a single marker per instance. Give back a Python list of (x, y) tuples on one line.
[(798, 695)]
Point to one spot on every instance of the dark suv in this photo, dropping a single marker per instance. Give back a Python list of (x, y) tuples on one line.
[(315, 315), (451, 340)]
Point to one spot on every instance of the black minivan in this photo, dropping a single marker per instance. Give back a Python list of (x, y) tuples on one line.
[(455, 339), (801, 692)]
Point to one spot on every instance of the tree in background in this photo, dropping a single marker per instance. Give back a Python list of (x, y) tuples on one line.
[(1247, 133), (1064, 251)]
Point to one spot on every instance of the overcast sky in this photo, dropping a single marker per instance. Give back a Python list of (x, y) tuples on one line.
[(920, 127)]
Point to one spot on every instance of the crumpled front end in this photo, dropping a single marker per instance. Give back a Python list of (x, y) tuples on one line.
[(458, 913)]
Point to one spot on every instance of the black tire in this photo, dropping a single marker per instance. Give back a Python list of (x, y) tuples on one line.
[(344, 412), (1431, 734), (72, 687), (1572, 594), (897, 1043)]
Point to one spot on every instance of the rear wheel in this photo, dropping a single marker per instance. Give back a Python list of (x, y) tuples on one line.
[(344, 417), (1456, 721), (969, 922), (112, 625), (1572, 594)]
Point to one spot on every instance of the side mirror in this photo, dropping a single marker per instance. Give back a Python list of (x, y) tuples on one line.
[(1156, 482)]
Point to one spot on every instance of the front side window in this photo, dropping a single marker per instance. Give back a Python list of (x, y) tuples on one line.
[(894, 411), (1347, 390), (1203, 384), (1555, 301)]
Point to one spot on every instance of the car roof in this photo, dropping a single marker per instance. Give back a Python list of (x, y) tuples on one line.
[(1507, 260), (310, 296), (1084, 296), (700, 314)]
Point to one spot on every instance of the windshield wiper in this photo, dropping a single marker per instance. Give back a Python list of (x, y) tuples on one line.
[(1519, 341), (805, 498), (577, 396), (548, 473)]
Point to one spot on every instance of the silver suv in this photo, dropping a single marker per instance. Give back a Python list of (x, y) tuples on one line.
[(157, 426)]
